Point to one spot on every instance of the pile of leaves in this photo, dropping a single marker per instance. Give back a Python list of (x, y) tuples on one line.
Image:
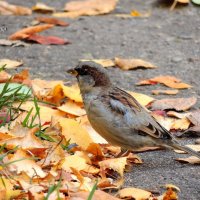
[(49, 150)]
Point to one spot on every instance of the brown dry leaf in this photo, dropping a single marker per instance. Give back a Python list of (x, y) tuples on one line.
[(42, 8), (143, 99), (7, 190), (51, 20), (117, 164), (134, 193), (73, 93), (72, 108), (144, 149), (127, 64), (170, 194), (88, 7), (191, 160), (98, 195), (169, 81), (95, 149), (103, 62), (72, 130), (27, 165), (10, 9), (10, 64), (25, 32), (178, 1), (169, 92), (178, 104), (194, 117)]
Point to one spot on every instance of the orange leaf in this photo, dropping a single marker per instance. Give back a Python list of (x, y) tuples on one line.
[(43, 8), (169, 81), (24, 33), (51, 20)]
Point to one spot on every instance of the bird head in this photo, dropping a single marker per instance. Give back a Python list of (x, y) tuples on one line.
[(90, 74)]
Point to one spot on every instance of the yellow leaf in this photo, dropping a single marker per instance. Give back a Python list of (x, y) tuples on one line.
[(127, 64), (72, 108), (73, 93), (170, 92), (117, 164), (72, 130), (7, 190), (134, 193), (43, 8)]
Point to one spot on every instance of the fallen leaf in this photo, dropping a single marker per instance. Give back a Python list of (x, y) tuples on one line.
[(177, 114), (22, 77), (7, 190), (117, 164), (194, 147), (103, 62), (98, 195), (51, 20), (180, 124), (135, 13), (73, 93), (10, 64), (87, 7), (4, 76), (169, 81), (78, 163), (194, 117), (179, 104), (134, 193), (170, 194), (28, 141), (191, 160), (72, 130), (170, 92), (27, 165), (42, 8), (10, 9), (14, 43), (127, 64), (72, 108), (143, 99), (41, 39), (25, 32)]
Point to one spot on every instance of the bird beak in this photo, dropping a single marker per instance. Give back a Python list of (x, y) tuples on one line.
[(72, 72)]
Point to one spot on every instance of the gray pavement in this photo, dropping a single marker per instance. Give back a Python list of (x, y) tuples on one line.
[(171, 40)]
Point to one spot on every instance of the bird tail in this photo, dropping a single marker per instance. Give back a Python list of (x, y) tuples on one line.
[(186, 149)]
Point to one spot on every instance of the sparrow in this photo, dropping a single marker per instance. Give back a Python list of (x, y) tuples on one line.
[(117, 116)]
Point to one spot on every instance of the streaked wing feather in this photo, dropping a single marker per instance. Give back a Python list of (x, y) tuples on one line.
[(135, 115)]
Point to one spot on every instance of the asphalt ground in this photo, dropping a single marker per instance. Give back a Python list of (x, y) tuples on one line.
[(170, 40)]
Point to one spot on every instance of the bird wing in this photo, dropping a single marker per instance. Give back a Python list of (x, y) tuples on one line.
[(135, 116)]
